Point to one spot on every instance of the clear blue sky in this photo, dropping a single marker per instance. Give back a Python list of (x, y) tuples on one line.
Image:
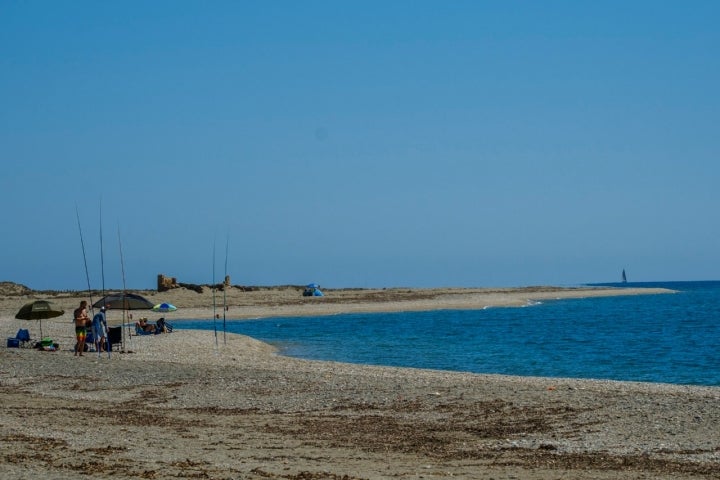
[(359, 143)]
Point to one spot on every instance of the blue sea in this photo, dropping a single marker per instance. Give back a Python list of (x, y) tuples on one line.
[(672, 338)]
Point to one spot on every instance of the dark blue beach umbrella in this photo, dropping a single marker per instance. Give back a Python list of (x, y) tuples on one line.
[(124, 301)]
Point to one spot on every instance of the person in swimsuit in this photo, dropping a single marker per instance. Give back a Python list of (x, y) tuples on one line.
[(146, 327), (81, 321)]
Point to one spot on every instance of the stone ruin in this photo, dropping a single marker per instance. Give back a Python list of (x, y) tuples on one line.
[(168, 283)]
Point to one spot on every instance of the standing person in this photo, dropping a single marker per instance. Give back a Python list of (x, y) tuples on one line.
[(81, 321), (99, 329)]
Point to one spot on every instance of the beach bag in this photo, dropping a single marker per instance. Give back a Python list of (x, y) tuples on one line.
[(47, 344)]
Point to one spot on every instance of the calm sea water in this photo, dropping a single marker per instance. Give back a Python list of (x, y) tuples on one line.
[(651, 338)]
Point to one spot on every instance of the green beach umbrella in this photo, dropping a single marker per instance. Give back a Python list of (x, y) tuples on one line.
[(39, 310)]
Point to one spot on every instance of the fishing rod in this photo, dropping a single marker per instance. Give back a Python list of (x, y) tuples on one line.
[(102, 256), (87, 273), (82, 244), (226, 284), (213, 295), (122, 269), (108, 345)]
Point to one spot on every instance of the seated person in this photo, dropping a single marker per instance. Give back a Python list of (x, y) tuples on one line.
[(144, 326)]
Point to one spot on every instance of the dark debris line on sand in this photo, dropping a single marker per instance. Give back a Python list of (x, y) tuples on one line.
[(297, 419)]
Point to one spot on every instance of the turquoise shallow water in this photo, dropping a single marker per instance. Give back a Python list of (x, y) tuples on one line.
[(652, 338)]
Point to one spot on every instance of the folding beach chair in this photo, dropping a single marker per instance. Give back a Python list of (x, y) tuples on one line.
[(114, 336)]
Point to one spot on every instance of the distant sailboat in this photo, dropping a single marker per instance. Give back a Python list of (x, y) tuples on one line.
[(624, 277)]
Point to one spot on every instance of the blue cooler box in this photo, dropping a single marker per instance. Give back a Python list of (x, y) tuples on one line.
[(13, 343)]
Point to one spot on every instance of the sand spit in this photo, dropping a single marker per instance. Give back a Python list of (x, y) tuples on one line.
[(178, 406)]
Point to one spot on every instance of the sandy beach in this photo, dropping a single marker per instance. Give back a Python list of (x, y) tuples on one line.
[(176, 406)]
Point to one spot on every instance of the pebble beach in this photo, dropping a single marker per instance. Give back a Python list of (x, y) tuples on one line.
[(183, 405)]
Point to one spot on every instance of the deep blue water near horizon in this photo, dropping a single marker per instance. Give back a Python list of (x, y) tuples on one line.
[(668, 338)]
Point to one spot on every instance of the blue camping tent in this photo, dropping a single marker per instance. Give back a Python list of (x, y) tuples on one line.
[(312, 290)]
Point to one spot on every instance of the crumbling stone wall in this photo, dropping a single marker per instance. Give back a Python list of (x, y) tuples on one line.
[(166, 283)]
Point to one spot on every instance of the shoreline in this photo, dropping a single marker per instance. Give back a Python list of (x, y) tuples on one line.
[(242, 411), (288, 302)]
